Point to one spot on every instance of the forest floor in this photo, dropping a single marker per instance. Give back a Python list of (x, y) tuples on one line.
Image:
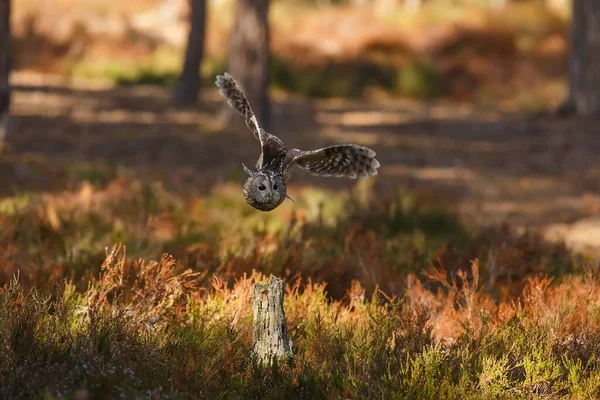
[(529, 170), (403, 286), (443, 277)]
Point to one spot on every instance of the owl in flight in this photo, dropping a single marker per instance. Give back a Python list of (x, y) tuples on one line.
[(265, 189)]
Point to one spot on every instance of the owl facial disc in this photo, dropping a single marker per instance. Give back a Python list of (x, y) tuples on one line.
[(264, 190)]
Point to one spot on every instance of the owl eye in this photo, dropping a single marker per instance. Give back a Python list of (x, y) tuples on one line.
[(261, 187), (275, 187)]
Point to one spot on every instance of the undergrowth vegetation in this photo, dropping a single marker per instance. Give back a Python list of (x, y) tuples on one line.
[(462, 51), (394, 298), (118, 288)]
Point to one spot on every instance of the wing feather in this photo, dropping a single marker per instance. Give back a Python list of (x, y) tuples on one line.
[(236, 99), (347, 160)]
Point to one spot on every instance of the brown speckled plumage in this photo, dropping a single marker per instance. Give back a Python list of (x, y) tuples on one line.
[(265, 189)]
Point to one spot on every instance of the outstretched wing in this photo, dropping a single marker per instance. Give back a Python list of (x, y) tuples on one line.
[(346, 160), (236, 99)]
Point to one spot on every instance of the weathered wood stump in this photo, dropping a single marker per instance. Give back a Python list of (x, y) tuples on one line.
[(271, 338)]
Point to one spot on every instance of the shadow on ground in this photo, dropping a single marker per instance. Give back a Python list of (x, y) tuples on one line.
[(492, 166)]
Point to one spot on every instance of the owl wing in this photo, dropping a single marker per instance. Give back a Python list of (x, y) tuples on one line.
[(346, 160), (236, 99)]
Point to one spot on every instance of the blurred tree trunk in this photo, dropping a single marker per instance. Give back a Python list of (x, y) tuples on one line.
[(5, 67), (249, 56), (584, 61), (188, 84)]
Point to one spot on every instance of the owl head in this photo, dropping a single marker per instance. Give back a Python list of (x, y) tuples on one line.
[(264, 190)]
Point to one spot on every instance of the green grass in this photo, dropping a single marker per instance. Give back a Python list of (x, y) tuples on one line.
[(420, 80), (343, 79), (350, 79), (339, 79)]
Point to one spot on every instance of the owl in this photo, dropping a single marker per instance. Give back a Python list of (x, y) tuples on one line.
[(265, 188)]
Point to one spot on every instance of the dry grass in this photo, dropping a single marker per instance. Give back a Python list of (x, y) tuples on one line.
[(118, 338), (391, 299)]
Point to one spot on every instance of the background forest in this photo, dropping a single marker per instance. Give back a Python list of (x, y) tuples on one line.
[(467, 269)]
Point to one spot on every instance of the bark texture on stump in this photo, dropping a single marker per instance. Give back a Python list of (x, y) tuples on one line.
[(5, 68), (249, 57), (584, 62), (188, 84), (271, 338)]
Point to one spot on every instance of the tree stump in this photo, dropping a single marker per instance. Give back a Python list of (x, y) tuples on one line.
[(271, 340)]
